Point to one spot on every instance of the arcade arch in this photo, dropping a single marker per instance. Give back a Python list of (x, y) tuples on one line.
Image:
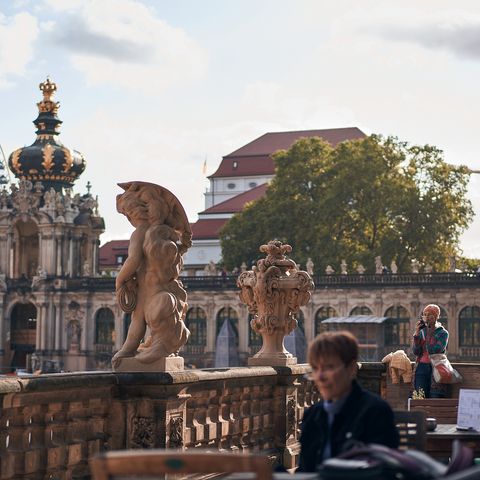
[(196, 322), (26, 248), (23, 331), (322, 314), (230, 314), (397, 327), (104, 327)]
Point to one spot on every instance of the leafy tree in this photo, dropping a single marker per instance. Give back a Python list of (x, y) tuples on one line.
[(368, 197)]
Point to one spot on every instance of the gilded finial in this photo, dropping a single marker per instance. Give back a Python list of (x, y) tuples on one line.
[(48, 89)]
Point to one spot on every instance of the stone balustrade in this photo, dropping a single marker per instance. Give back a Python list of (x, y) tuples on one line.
[(214, 283), (51, 424)]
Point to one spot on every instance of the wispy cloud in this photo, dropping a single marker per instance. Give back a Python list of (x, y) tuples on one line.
[(125, 43), (76, 36), (460, 37), (17, 35)]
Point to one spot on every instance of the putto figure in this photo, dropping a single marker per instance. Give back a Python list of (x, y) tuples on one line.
[(147, 284)]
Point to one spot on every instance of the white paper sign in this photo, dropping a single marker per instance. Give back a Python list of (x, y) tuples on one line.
[(469, 409)]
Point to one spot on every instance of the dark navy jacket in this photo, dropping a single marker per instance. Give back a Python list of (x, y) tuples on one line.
[(365, 418)]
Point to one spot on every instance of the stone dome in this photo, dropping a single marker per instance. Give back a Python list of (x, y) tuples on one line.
[(47, 160)]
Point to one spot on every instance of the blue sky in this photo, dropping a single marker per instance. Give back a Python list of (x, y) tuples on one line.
[(149, 89)]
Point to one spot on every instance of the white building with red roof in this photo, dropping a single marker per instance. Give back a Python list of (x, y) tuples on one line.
[(242, 177)]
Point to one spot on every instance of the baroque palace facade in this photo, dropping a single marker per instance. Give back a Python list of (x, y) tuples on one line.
[(57, 312), (49, 242), (381, 309)]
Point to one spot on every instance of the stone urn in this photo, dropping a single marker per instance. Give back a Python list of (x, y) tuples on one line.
[(274, 291)]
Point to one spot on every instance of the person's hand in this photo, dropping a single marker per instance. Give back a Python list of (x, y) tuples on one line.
[(418, 327)]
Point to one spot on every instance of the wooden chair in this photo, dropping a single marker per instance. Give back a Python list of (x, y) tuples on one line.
[(411, 428), (443, 409), (140, 463)]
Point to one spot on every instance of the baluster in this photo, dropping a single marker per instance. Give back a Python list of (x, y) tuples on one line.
[(235, 426), (224, 419), (97, 434), (77, 435), (56, 440), (35, 456), (17, 443), (245, 419), (213, 413)]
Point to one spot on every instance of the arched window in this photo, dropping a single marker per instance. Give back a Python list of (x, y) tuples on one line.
[(322, 314), (26, 251), (363, 310), (227, 313), (23, 317), (469, 327), (196, 321), (443, 318), (104, 327), (300, 321), (23, 325), (397, 327)]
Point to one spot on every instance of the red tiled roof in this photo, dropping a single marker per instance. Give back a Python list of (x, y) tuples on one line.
[(237, 203), (254, 158), (207, 229), (108, 253)]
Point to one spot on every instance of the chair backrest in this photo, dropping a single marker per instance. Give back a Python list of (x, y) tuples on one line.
[(443, 409), (411, 428), (461, 459), (158, 461)]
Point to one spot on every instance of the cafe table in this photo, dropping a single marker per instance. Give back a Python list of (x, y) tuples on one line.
[(439, 441)]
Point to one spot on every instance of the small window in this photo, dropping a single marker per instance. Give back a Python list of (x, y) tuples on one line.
[(119, 259), (235, 164), (231, 186), (252, 184)]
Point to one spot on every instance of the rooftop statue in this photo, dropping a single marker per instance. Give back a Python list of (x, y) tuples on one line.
[(147, 284), (393, 267), (309, 266), (360, 269)]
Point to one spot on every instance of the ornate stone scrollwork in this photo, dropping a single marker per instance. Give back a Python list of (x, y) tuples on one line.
[(143, 432), (176, 432), (25, 199), (291, 417), (274, 291)]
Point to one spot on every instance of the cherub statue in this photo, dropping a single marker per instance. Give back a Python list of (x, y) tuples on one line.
[(329, 270), (343, 267), (147, 284), (394, 267)]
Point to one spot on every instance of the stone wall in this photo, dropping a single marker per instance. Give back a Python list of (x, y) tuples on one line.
[(52, 424)]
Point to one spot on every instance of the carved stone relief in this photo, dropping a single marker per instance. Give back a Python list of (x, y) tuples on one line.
[(176, 432), (291, 417), (143, 432)]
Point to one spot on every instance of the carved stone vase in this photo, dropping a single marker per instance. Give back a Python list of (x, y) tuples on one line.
[(274, 291)]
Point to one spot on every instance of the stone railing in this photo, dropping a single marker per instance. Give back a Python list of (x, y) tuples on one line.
[(52, 424), (229, 282)]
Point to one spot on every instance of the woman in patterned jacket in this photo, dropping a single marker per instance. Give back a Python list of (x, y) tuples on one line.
[(429, 337)]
